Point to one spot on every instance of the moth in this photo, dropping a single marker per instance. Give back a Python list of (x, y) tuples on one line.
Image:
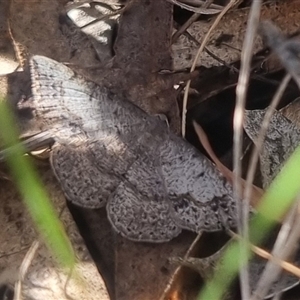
[(109, 153)]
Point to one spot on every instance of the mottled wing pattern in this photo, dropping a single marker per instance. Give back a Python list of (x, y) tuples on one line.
[(68, 106), (83, 184), (108, 151), (56, 86), (281, 140), (90, 172), (139, 209), (201, 197)]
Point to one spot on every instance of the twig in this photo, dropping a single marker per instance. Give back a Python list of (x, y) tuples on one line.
[(200, 10), (106, 17), (243, 206), (284, 247), (186, 255), (209, 52), (39, 140), (260, 139), (229, 66), (13, 253), (80, 3), (286, 50), (24, 268), (287, 266), (270, 271), (184, 27), (200, 3), (189, 22), (200, 50)]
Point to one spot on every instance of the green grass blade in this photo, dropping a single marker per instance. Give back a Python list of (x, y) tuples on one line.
[(33, 193), (274, 205)]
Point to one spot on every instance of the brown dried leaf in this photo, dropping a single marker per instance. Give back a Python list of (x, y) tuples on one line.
[(281, 140), (226, 41)]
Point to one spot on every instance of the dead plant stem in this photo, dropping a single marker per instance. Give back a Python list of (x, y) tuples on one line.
[(241, 92), (200, 50), (261, 135), (283, 249)]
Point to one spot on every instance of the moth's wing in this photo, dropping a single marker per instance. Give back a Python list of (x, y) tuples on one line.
[(138, 218), (73, 108), (281, 140), (91, 172), (77, 112), (82, 183), (139, 209), (61, 99), (200, 197)]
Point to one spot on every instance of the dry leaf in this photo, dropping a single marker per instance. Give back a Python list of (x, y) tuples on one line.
[(226, 41), (281, 140)]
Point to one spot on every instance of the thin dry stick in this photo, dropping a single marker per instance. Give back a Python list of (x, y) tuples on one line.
[(194, 2), (289, 267), (79, 3), (189, 22), (243, 207), (200, 50), (175, 273), (24, 268), (199, 3), (211, 54), (261, 135), (106, 17), (42, 139), (184, 27), (13, 253), (200, 10), (271, 271), (281, 250), (4, 176), (231, 67)]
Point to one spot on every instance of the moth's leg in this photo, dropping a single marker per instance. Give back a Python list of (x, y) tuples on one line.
[(42, 139), (163, 118)]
